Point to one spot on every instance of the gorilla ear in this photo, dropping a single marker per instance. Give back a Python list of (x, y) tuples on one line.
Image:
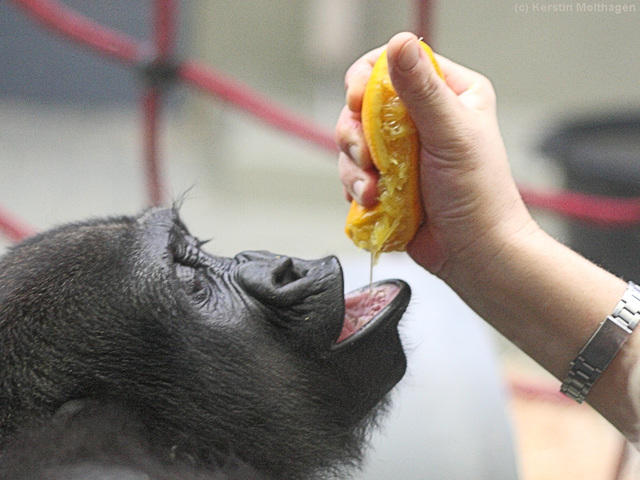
[(69, 410)]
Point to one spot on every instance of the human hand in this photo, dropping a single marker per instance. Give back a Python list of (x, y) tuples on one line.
[(468, 194), (478, 235)]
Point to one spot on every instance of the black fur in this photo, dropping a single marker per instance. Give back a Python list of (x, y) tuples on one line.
[(128, 352)]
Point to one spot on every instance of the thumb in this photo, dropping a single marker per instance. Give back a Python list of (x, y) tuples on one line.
[(430, 102)]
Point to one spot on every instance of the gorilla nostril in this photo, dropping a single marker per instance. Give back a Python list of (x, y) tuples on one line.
[(286, 273)]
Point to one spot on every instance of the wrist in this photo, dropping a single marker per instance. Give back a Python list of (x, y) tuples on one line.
[(494, 251), (538, 293)]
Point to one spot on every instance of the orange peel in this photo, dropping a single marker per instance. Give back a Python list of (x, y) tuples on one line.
[(394, 146)]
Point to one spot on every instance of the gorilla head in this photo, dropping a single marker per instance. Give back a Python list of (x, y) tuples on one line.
[(122, 340)]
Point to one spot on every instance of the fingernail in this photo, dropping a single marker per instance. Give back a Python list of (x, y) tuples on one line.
[(358, 189), (355, 153), (409, 55)]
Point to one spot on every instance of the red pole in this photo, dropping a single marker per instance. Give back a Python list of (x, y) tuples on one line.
[(598, 210), (159, 73), (73, 26), (422, 22), (12, 227), (231, 90), (150, 124), (165, 27)]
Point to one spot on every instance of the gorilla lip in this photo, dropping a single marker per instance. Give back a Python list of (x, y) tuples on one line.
[(366, 307)]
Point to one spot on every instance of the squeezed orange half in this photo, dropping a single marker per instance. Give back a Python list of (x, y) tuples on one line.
[(394, 146)]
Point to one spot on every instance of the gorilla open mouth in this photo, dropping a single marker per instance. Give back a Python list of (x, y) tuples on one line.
[(371, 307), (315, 289)]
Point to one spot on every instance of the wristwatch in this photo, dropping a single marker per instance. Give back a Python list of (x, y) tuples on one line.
[(603, 346)]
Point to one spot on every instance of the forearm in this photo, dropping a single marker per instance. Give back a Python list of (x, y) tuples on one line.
[(548, 300)]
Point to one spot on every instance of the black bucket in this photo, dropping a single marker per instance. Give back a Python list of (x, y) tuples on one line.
[(601, 156)]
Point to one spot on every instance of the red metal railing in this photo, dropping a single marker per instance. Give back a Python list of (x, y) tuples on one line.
[(602, 211), (160, 68)]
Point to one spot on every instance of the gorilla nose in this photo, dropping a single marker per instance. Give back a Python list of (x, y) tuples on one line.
[(285, 272), (285, 281)]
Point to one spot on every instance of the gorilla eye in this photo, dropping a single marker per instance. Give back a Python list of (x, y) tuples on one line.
[(189, 253), (190, 269)]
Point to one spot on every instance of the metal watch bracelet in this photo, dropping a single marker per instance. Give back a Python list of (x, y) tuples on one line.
[(603, 346)]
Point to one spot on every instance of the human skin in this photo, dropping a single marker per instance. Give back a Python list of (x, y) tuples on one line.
[(478, 235)]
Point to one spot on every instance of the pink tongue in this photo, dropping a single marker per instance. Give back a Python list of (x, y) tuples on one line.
[(363, 305)]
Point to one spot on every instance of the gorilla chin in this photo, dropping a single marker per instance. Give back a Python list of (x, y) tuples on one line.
[(128, 350)]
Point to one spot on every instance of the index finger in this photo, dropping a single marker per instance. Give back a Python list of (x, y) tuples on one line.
[(356, 78)]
